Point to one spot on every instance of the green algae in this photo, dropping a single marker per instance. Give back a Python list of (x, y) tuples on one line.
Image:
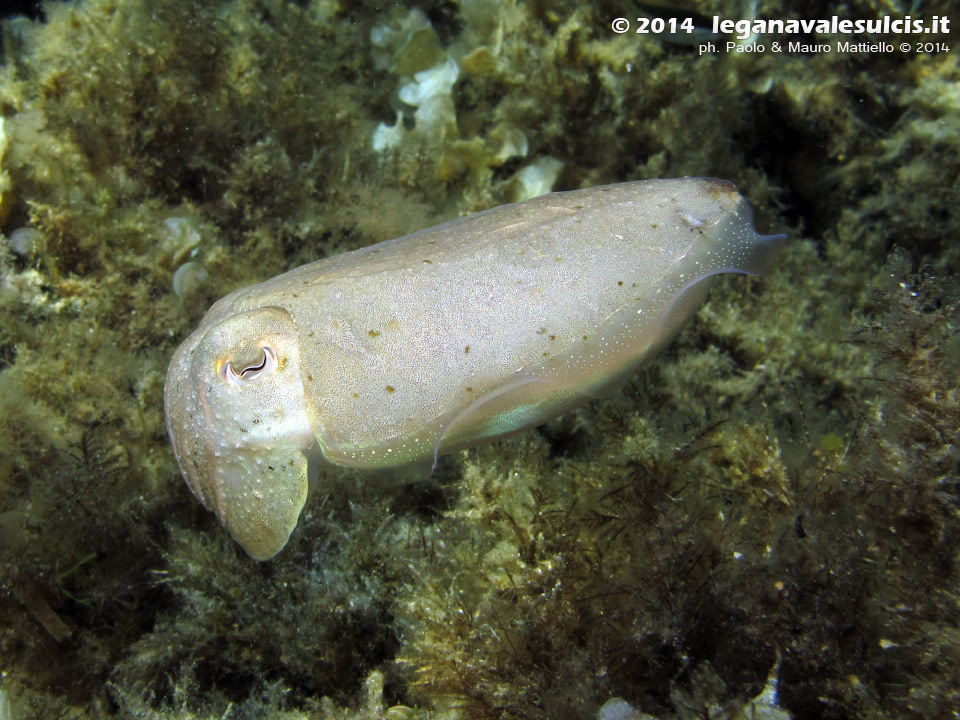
[(769, 494)]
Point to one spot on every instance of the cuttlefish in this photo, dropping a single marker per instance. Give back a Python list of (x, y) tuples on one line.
[(389, 356)]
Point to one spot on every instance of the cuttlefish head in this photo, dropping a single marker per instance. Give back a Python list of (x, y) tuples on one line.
[(238, 423)]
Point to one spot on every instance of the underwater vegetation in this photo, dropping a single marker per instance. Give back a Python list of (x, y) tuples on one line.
[(764, 522)]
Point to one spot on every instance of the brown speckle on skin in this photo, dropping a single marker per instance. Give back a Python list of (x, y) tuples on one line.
[(466, 350), (390, 388), (373, 333)]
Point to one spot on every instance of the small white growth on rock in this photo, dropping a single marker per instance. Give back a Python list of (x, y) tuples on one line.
[(179, 244), (188, 277), (536, 179), (386, 136), (430, 84), (178, 239), (431, 93), (513, 143), (25, 241), (619, 709)]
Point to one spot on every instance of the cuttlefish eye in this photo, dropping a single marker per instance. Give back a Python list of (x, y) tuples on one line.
[(240, 371)]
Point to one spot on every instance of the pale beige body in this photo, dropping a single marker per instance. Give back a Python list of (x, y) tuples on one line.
[(471, 330)]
